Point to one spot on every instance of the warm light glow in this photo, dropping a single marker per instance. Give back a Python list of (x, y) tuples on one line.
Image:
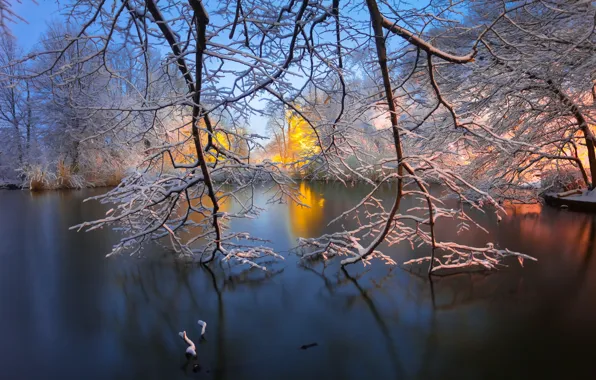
[(519, 209), (198, 218), (306, 221), (185, 152), (297, 142)]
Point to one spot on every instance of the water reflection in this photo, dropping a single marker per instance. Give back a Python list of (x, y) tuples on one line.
[(119, 318), (306, 221), (197, 202), (380, 321), (523, 209)]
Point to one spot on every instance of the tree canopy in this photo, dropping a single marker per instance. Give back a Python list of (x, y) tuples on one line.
[(480, 97)]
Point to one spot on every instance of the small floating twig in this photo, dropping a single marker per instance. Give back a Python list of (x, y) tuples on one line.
[(307, 346)]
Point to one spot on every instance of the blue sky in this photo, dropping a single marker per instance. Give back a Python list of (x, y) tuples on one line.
[(36, 16), (39, 14)]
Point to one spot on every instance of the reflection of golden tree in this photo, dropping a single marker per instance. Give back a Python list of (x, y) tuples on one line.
[(542, 231), (305, 220)]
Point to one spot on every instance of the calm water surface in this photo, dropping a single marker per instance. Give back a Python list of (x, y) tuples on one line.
[(67, 312)]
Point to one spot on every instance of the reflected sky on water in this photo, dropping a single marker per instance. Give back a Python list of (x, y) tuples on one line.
[(68, 312)]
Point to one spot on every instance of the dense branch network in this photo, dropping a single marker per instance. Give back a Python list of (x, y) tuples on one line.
[(375, 91)]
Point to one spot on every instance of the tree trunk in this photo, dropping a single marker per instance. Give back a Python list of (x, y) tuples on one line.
[(589, 137), (583, 125), (377, 24), (28, 124)]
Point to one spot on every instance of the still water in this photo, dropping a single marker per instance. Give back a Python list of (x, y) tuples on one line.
[(67, 312)]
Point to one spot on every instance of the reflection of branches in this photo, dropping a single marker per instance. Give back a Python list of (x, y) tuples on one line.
[(220, 330), (569, 291), (330, 285), (144, 289), (343, 278), (249, 277), (381, 323), (453, 291)]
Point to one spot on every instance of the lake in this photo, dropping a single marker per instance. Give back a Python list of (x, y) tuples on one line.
[(67, 312)]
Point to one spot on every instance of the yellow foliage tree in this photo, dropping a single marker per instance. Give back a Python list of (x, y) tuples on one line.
[(185, 153), (295, 140)]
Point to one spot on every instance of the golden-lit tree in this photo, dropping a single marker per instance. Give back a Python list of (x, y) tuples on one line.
[(224, 139), (293, 140)]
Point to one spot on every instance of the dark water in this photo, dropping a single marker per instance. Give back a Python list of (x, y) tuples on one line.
[(68, 312)]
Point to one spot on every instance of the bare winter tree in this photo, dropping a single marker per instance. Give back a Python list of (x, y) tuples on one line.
[(7, 16), (413, 169), (16, 120), (304, 56), (531, 87), (170, 195)]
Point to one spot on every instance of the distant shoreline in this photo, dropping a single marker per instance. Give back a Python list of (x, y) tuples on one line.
[(14, 186), (11, 186)]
